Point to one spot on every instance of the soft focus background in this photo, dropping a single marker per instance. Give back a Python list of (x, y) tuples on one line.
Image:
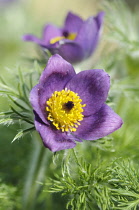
[(117, 53)]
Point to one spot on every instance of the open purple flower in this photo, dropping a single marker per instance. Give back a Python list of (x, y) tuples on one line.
[(71, 107), (77, 39)]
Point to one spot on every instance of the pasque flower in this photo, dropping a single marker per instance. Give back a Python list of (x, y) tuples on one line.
[(75, 41), (71, 107)]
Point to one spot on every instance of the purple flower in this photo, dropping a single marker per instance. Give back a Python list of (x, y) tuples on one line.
[(77, 39), (71, 107), (6, 2)]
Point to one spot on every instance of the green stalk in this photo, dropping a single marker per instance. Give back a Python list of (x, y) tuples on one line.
[(36, 173), (75, 156)]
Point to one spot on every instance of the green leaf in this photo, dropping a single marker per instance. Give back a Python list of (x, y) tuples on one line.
[(22, 117), (5, 86), (22, 133), (6, 121), (17, 103), (5, 92), (5, 113)]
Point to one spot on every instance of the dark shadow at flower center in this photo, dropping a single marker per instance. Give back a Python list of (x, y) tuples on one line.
[(68, 106), (65, 34)]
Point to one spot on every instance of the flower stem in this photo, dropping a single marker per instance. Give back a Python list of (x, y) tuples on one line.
[(36, 173), (75, 156)]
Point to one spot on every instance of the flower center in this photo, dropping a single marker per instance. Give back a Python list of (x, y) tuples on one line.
[(66, 35), (69, 105), (65, 110)]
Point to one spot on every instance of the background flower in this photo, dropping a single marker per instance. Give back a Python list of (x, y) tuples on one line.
[(75, 41), (56, 82)]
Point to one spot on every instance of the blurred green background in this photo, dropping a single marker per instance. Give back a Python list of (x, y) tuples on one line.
[(117, 53)]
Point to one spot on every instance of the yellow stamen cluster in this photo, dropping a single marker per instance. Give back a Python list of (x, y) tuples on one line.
[(56, 39), (70, 36), (65, 110)]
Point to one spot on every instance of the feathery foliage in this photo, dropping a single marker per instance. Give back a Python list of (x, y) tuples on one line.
[(17, 93), (9, 198), (113, 185)]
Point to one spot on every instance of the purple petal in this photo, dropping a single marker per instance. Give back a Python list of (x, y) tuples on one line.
[(89, 34), (49, 32), (34, 100), (54, 78), (71, 51), (32, 38), (92, 86), (58, 68), (55, 140), (99, 19), (101, 124), (72, 23)]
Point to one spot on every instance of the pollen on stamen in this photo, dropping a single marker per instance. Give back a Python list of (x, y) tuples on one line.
[(65, 110), (70, 36)]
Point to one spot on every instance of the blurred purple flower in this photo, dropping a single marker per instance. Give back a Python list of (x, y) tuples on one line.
[(6, 2), (77, 39), (71, 107)]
